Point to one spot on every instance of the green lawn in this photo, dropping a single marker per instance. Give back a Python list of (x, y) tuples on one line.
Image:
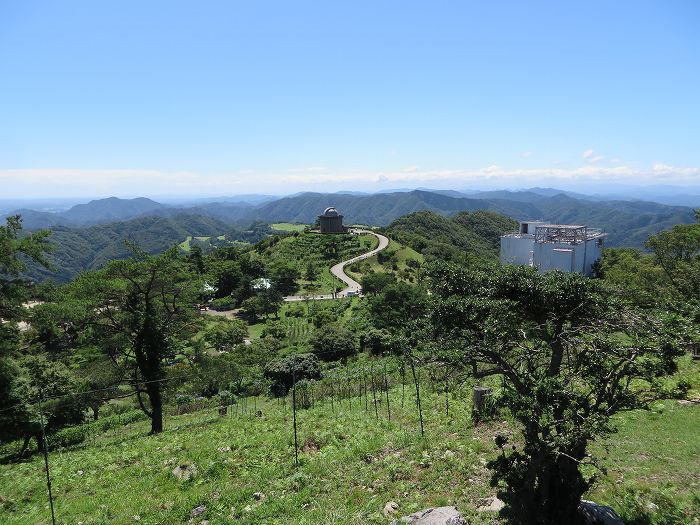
[(288, 227), (185, 245)]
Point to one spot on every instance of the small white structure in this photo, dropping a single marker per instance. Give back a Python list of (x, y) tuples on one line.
[(261, 284), (564, 247)]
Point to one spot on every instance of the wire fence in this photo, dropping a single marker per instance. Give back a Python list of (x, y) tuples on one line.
[(388, 392)]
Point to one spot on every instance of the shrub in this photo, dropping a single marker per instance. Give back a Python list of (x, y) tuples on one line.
[(282, 372)]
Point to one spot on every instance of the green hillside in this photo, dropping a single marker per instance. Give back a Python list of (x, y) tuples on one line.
[(312, 251), (477, 233), (351, 463), (77, 249)]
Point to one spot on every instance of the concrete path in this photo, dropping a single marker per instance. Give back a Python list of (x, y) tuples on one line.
[(339, 271)]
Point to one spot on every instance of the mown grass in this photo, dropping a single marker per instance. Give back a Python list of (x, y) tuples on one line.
[(288, 227), (350, 464)]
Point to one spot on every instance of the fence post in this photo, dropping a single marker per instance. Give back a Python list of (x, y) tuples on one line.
[(386, 388), (45, 447), (420, 410), (447, 392), (294, 410), (364, 383), (403, 380), (374, 392), (349, 387)]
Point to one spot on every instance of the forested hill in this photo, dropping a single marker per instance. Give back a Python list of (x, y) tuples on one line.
[(382, 208), (77, 249), (628, 223), (477, 233)]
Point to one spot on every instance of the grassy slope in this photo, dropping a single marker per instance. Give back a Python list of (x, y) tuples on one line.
[(307, 247), (125, 475), (403, 253), (288, 227)]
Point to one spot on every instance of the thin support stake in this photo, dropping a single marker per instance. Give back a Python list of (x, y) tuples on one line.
[(364, 384), (45, 447), (420, 410), (294, 409), (447, 393), (374, 391), (386, 388)]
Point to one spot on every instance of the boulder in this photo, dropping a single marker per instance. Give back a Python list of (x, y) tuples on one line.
[(185, 471), (435, 516), (594, 514), (490, 505), (390, 508), (198, 511)]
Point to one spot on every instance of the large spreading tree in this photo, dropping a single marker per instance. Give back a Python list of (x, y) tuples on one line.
[(143, 315), (19, 415), (568, 356)]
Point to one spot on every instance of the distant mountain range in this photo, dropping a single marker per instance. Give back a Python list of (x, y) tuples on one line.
[(628, 222)]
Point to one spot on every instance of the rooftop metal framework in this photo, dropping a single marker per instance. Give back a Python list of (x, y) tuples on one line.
[(565, 233)]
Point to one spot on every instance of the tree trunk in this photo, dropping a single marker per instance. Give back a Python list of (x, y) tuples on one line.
[(153, 390), (95, 411)]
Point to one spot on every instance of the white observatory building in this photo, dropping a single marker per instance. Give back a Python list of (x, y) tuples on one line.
[(564, 247)]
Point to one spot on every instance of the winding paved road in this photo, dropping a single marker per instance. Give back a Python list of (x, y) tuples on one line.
[(339, 271)]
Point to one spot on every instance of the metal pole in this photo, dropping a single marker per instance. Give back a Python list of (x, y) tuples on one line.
[(374, 391), (294, 409), (420, 411), (45, 448), (386, 388), (447, 393)]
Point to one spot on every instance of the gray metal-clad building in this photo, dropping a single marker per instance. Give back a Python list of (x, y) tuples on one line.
[(564, 247), (331, 221)]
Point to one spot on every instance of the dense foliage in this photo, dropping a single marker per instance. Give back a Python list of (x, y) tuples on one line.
[(477, 233), (570, 356)]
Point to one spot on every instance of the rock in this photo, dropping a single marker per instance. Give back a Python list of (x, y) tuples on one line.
[(198, 511), (185, 471), (491, 505), (436, 516), (224, 449), (259, 496), (652, 507), (390, 508), (594, 514)]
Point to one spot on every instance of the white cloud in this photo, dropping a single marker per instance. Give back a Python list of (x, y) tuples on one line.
[(590, 156), (314, 169), (526, 154), (664, 169), (47, 183)]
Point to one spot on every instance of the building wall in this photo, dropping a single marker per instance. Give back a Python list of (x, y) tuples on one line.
[(331, 224), (517, 250), (567, 257)]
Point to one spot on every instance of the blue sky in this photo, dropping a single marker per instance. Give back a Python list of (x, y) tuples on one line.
[(197, 98)]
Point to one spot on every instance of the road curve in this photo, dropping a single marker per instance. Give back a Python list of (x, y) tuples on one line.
[(339, 270)]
